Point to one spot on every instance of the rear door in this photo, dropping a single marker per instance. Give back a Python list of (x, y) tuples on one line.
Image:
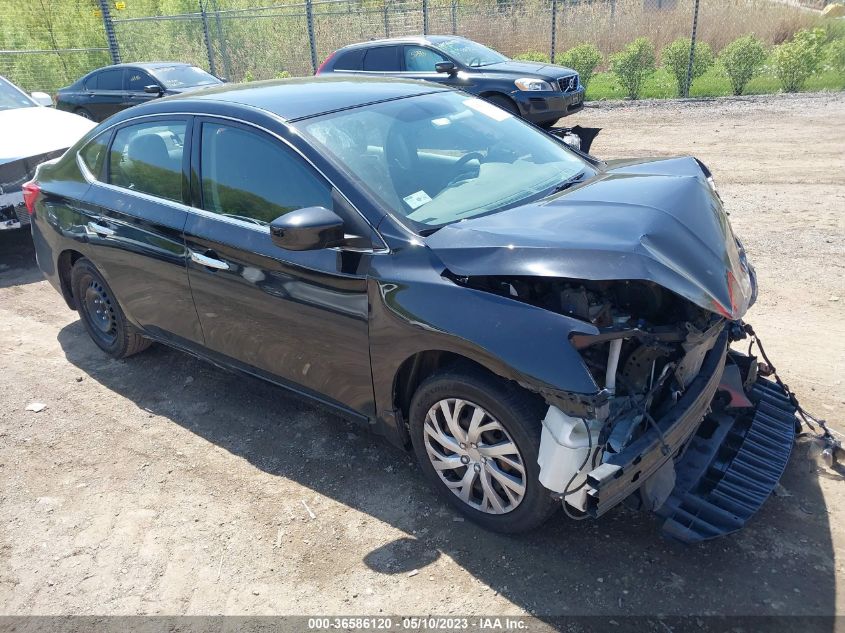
[(296, 317), (135, 215), (108, 93)]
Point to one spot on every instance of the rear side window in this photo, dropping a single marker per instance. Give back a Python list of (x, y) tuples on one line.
[(147, 157), (382, 58), (94, 153), (110, 80), (250, 176), (350, 60)]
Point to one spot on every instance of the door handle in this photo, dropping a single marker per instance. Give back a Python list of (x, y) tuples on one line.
[(209, 262), (99, 229)]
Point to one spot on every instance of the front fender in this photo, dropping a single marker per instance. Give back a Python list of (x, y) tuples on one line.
[(421, 310)]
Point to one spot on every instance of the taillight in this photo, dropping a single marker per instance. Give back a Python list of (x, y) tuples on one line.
[(30, 194), (325, 61)]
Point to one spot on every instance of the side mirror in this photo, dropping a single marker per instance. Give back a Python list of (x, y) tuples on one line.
[(446, 67), (153, 90), (42, 99), (308, 229)]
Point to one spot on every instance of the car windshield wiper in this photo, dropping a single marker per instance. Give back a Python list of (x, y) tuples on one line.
[(566, 184)]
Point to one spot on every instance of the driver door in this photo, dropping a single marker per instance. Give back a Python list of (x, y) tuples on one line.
[(296, 317)]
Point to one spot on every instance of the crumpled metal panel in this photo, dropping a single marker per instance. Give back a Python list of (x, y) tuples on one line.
[(653, 220)]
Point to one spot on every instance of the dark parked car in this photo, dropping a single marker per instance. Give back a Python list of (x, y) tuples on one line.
[(105, 91), (543, 328), (540, 93)]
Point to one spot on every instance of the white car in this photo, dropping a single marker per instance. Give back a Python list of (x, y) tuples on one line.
[(31, 132)]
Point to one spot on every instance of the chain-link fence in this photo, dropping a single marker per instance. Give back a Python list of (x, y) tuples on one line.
[(247, 39)]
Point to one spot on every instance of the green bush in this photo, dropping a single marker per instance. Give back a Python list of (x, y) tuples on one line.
[(584, 59), (742, 59), (282, 75), (676, 60), (794, 61), (835, 56), (533, 56), (634, 65)]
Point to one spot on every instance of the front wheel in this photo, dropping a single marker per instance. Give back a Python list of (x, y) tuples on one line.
[(477, 438), (101, 314), (505, 103)]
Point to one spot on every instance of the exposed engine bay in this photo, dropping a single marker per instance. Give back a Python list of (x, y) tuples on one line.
[(651, 345), (671, 387)]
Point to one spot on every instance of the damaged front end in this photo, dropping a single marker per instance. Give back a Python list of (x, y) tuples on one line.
[(679, 424)]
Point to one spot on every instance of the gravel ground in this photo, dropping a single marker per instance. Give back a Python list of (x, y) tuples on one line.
[(162, 485)]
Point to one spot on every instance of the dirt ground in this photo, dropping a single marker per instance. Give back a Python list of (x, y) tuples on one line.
[(163, 485)]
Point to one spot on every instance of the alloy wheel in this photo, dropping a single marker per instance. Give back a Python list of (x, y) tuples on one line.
[(474, 456)]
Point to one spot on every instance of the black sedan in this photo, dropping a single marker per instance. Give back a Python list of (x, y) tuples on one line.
[(540, 93), (105, 91), (544, 329)]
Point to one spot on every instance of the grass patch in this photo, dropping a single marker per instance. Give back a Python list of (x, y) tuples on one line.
[(713, 83)]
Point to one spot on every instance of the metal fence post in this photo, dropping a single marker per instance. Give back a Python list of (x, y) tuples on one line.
[(554, 32), (688, 82), (312, 42), (212, 67), (111, 36), (224, 49), (425, 16), (454, 17), (386, 19)]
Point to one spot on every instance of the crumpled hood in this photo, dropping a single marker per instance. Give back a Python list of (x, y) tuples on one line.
[(654, 220), (34, 131)]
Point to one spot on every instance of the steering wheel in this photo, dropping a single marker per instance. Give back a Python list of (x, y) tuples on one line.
[(474, 62), (461, 163)]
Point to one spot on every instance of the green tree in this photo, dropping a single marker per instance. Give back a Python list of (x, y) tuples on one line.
[(796, 60), (634, 65), (584, 59), (676, 60), (742, 59)]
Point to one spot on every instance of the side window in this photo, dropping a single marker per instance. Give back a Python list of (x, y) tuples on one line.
[(94, 153), (253, 177), (110, 80), (147, 157), (350, 60), (419, 59), (383, 58), (138, 80)]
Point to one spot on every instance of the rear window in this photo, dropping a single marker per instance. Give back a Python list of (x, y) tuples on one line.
[(382, 58), (350, 60)]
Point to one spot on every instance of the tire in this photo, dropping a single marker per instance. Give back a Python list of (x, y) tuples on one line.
[(518, 416), (505, 103), (85, 114), (100, 313)]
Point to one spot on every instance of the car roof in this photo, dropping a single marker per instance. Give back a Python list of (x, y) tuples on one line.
[(405, 39), (147, 65), (300, 98)]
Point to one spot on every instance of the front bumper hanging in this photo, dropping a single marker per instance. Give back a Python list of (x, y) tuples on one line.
[(732, 464)]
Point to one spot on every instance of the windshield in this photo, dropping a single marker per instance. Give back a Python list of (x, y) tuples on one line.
[(184, 76), (471, 53), (444, 157), (11, 97)]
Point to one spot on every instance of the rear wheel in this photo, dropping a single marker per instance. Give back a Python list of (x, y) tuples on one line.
[(101, 314), (476, 438), (85, 114)]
